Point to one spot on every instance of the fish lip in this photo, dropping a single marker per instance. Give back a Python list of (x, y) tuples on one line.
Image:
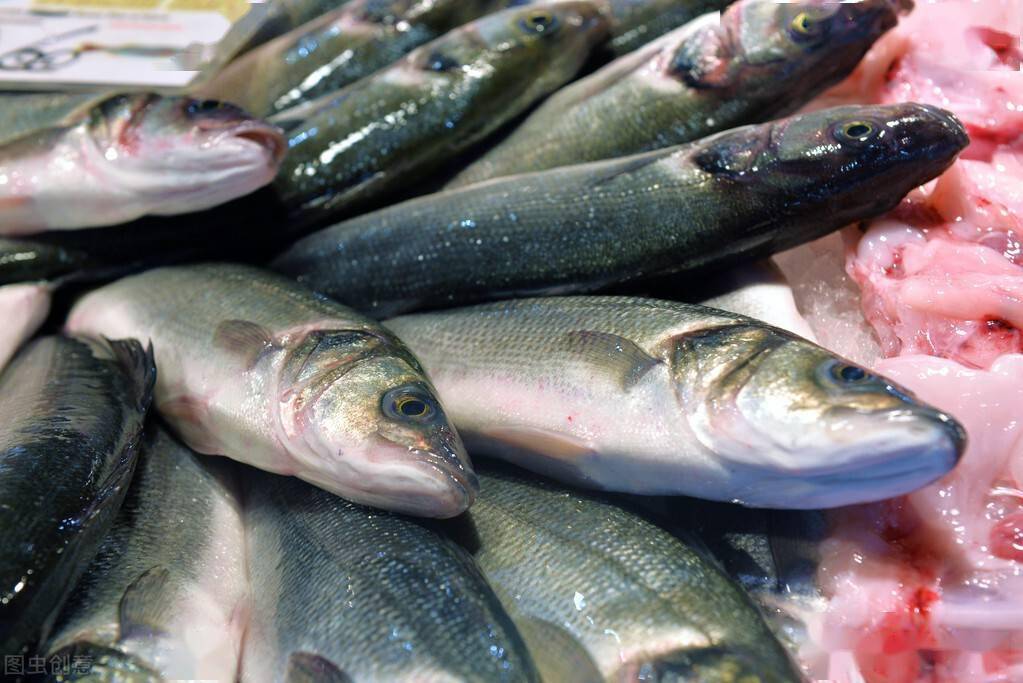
[(262, 134)]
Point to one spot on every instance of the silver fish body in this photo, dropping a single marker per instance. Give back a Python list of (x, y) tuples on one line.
[(344, 593), (167, 593), (257, 368), (617, 598), (655, 397), (70, 420)]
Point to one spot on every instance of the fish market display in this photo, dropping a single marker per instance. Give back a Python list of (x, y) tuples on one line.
[(733, 197), (336, 49), (380, 134), (70, 418), (256, 368), (600, 594), (926, 587), (343, 593), (648, 396), (166, 596), (760, 59), (131, 155)]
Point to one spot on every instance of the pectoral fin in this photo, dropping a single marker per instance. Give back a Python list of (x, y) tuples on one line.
[(147, 604), (244, 339), (622, 358), (306, 667)]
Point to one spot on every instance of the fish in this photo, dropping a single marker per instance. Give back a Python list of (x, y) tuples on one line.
[(775, 555), (27, 111), (385, 132), (345, 593), (254, 367), (589, 582), (637, 22), (756, 61), (652, 397), (728, 199), (274, 18), (337, 49), (71, 415), (25, 260), (131, 155), (23, 308), (167, 593)]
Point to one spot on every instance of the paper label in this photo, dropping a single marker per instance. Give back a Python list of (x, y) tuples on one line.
[(94, 43)]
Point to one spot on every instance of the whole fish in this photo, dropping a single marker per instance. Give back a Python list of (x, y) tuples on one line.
[(257, 368), (23, 308), (70, 419), (759, 60), (131, 155), (599, 593), (730, 198), (167, 592), (655, 397), (390, 129), (336, 49), (344, 593)]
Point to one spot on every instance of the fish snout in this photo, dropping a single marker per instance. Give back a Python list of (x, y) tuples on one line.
[(441, 480), (925, 131)]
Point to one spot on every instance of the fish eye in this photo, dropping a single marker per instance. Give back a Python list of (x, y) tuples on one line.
[(438, 61), (196, 107), (846, 375), (807, 25), (408, 404), (539, 23), (855, 131)]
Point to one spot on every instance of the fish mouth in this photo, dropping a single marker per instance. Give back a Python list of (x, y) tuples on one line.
[(268, 138), (928, 453)]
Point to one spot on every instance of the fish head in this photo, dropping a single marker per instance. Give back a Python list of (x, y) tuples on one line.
[(549, 42), (807, 45), (181, 152), (850, 162), (372, 426), (803, 427)]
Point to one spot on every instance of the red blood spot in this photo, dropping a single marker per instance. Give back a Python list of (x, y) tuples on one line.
[(982, 202), (893, 68), (1007, 538), (569, 418)]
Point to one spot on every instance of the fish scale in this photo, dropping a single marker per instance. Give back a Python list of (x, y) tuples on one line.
[(366, 596), (587, 580), (734, 196), (72, 415), (714, 73)]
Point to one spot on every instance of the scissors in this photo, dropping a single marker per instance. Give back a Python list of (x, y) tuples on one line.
[(34, 58)]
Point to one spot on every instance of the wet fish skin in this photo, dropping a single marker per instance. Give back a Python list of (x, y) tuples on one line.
[(28, 111), (349, 149), (586, 579), (167, 590), (257, 368), (131, 155), (749, 65), (727, 199), (344, 593), (637, 22), (25, 260), (655, 397), (23, 308), (72, 415), (336, 49)]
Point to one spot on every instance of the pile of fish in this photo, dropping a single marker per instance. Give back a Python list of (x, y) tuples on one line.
[(486, 305)]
